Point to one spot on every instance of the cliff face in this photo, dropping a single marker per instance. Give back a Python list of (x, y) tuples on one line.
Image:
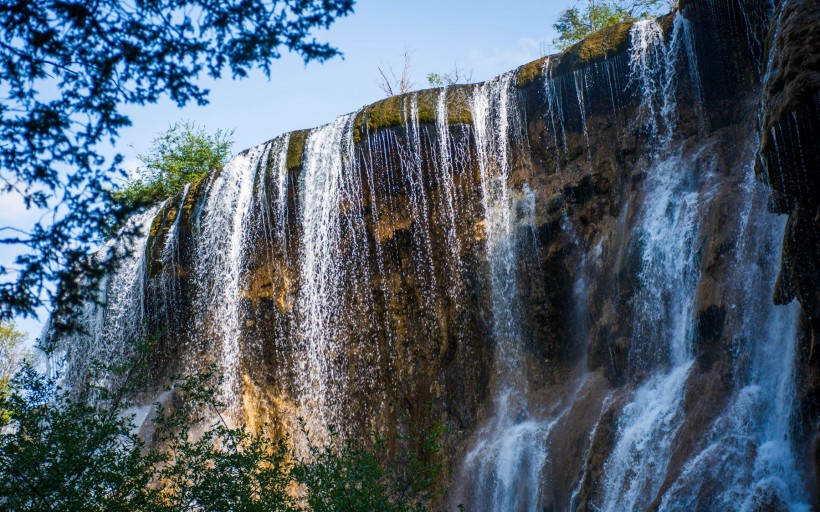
[(788, 160), (571, 265)]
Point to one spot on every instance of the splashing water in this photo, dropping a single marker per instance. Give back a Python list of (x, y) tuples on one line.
[(749, 460), (110, 330), (676, 193)]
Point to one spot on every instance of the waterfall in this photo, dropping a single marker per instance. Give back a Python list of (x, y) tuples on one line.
[(272, 205), (677, 194), (170, 256), (112, 326), (491, 114), (749, 461), (572, 270), (445, 170), (220, 256), (505, 463), (555, 113), (329, 194), (662, 333)]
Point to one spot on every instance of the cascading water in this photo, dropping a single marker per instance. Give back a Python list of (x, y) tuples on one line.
[(330, 194), (677, 195), (531, 258), (749, 460), (445, 177), (219, 261), (504, 464), (168, 295), (110, 332), (273, 204)]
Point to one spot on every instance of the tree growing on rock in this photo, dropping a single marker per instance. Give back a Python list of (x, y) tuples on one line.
[(589, 16), (457, 75), (392, 84), (182, 154)]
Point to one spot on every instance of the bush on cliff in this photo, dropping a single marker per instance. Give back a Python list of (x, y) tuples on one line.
[(589, 16), (182, 154)]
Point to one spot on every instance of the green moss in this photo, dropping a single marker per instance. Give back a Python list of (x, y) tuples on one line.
[(394, 111), (296, 149), (530, 71), (600, 45), (157, 224), (458, 105), (156, 238)]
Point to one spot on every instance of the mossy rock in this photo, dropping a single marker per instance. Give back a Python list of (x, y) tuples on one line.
[(531, 70), (395, 111), (296, 149), (160, 226), (598, 46)]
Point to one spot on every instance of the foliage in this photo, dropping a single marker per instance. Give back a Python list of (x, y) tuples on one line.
[(12, 355), (63, 454), (347, 476), (68, 68), (224, 469), (589, 16), (455, 76), (12, 351), (182, 154)]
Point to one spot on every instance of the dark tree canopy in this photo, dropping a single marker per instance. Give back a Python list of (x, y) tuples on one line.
[(66, 69)]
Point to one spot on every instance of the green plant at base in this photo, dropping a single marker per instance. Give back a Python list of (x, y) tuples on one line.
[(63, 453), (12, 357)]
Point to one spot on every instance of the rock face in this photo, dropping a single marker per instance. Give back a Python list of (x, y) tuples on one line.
[(570, 265), (788, 161)]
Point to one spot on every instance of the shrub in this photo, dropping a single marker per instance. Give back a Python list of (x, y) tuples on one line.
[(182, 154)]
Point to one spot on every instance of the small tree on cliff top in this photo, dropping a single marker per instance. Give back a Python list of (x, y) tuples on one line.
[(589, 16), (183, 153)]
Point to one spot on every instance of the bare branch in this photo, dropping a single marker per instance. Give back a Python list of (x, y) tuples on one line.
[(385, 84)]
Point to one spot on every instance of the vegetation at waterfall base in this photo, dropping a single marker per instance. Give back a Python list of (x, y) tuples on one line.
[(180, 155), (59, 452), (589, 16), (68, 70)]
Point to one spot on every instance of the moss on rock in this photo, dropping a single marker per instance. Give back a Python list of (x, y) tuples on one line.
[(531, 70), (395, 111), (601, 45), (296, 149)]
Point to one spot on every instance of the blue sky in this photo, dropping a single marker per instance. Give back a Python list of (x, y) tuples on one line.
[(483, 36), (487, 37)]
